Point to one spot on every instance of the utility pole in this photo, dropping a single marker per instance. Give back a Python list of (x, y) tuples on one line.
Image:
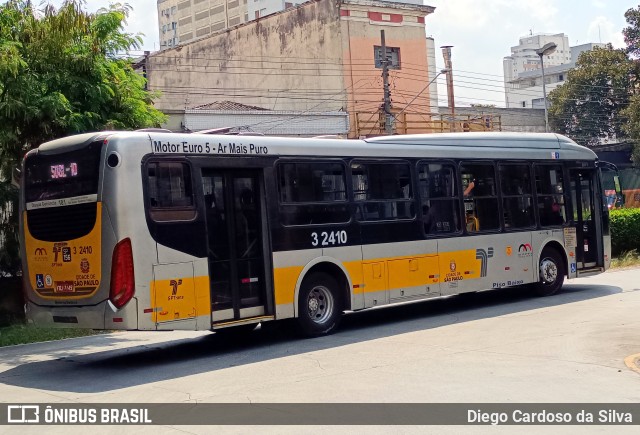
[(144, 70), (446, 53), (388, 117)]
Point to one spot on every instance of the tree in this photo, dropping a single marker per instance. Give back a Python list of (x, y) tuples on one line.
[(632, 112), (590, 106), (632, 33), (61, 72)]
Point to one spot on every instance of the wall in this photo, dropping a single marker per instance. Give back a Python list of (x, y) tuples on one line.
[(287, 61), (515, 120), (404, 28), (317, 57)]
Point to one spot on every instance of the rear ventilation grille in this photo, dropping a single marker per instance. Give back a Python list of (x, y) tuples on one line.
[(57, 224)]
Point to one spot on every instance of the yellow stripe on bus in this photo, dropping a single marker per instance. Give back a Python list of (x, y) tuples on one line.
[(188, 297), (379, 274)]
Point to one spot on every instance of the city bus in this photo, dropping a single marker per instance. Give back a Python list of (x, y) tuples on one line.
[(155, 230)]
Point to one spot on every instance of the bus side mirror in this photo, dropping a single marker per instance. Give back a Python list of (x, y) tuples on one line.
[(16, 177)]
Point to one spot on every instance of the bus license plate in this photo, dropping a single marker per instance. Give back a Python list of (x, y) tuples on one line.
[(64, 287)]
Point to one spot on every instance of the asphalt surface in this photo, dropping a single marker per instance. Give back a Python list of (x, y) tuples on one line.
[(502, 346)]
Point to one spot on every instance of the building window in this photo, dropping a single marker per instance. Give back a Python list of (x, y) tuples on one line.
[(393, 56)]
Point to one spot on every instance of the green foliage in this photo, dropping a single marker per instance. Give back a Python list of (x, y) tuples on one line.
[(632, 113), (23, 334), (632, 33), (626, 259), (625, 230), (590, 105), (61, 72)]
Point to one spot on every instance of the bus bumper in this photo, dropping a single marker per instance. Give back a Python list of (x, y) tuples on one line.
[(100, 316)]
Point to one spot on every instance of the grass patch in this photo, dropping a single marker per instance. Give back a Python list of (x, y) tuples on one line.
[(627, 259), (22, 334)]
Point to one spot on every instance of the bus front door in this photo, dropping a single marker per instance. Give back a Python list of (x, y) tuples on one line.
[(235, 232), (583, 194)]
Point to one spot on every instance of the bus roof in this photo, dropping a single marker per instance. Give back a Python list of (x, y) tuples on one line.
[(481, 139), (438, 145)]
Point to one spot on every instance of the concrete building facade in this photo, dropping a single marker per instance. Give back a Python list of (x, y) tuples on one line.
[(318, 57), (523, 71), (261, 8)]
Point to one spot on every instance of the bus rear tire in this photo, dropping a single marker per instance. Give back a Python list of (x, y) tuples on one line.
[(319, 305), (550, 273)]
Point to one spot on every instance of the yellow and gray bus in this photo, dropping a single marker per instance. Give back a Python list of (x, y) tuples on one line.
[(163, 231)]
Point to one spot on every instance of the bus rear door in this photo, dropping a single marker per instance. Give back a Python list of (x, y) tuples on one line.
[(235, 226)]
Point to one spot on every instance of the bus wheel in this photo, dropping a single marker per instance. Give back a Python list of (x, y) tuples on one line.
[(551, 273), (319, 305)]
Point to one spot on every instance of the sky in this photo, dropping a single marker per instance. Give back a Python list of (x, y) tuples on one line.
[(481, 32)]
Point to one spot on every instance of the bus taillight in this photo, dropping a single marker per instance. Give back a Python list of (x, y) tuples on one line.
[(122, 279)]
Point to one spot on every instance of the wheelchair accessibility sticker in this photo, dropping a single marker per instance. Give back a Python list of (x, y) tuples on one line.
[(573, 267)]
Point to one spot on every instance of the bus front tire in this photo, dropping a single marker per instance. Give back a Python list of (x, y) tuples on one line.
[(550, 273), (319, 305)]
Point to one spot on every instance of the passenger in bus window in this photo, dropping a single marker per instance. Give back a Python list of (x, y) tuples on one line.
[(470, 186)]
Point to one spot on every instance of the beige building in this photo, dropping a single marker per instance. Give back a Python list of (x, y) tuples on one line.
[(322, 56), (181, 21)]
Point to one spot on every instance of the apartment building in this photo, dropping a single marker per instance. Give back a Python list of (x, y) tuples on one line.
[(523, 68), (182, 21)]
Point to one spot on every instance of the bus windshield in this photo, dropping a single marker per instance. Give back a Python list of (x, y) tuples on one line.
[(66, 175)]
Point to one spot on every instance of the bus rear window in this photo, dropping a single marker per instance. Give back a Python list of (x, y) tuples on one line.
[(64, 175)]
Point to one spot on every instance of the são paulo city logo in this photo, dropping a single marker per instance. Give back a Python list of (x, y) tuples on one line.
[(525, 250), (40, 254)]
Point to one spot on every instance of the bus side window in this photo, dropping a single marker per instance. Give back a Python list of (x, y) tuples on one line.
[(382, 191), (481, 202), (312, 193), (169, 192), (439, 198), (551, 197), (517, 198)]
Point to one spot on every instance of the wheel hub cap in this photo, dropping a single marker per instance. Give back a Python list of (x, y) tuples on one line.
[(320, 304), (548, 271)]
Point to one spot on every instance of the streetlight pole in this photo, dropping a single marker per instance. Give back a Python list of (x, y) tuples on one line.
[(545, 50), (442, 71)]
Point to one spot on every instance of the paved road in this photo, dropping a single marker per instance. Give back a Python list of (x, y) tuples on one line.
[(499, 346)]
